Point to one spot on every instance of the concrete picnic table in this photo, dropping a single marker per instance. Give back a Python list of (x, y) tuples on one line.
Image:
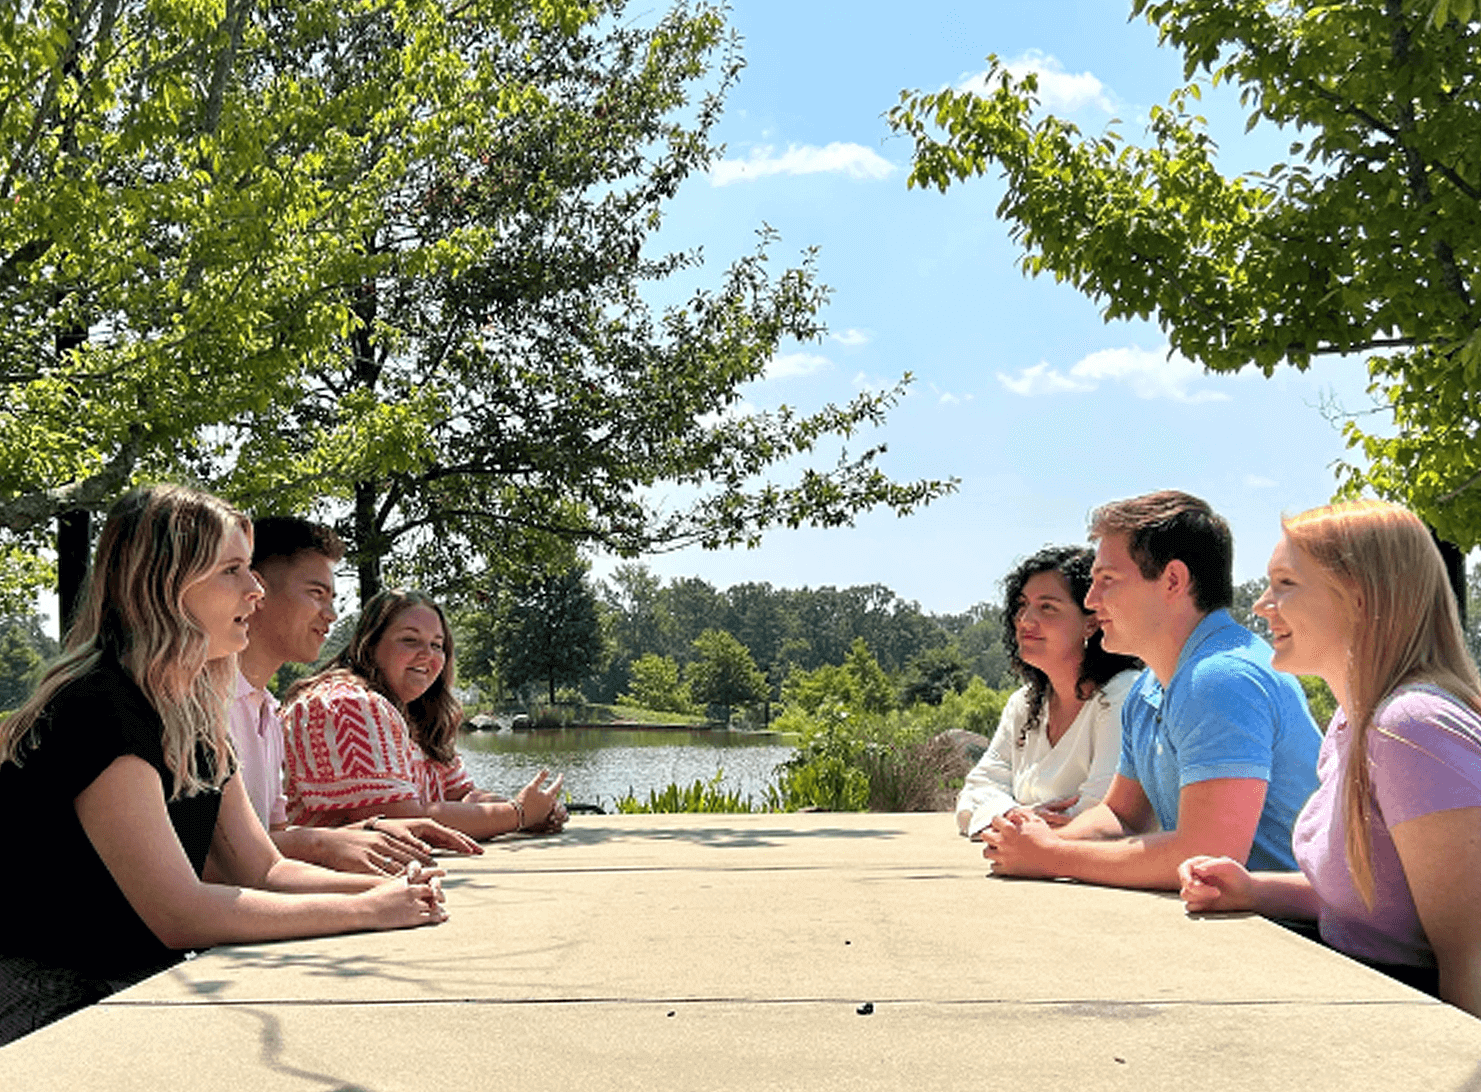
[(798, 951)]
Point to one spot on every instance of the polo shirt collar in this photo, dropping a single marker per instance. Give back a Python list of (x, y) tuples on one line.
[(1212, 623)]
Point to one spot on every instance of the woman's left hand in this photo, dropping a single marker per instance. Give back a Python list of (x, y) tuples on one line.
[(540, 804), (1055, 812)]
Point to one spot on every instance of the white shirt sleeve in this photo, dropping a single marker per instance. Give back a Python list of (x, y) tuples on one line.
[(988, 788)]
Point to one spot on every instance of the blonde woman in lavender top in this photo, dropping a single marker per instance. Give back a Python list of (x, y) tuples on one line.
[(1389, 845)]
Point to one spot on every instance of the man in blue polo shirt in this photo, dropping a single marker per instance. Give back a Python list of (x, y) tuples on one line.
[(1218, 748)]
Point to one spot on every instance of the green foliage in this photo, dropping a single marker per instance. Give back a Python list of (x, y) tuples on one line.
[(722, 673), (978, 709), (388, 262), (548, 631), (858, 684), (702, 796), (873, 689), (849, 759), (932, 674), (499, 382), (1366, 242), (826, 783), (1319, 699), (24, 651), (655, 684)]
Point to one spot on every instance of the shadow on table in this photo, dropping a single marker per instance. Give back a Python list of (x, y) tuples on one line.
[(716, 837)]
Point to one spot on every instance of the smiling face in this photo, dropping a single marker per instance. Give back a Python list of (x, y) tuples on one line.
[(1309, 625), (410, 654), (295, 614), (1130, 608), (223, 599), (1050, 626)]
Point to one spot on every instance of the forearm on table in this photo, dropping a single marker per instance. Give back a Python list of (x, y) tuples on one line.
[(214, 914), (480, 821), (1096, 823), (1142, 860), (1284, 895), (309, 844), (290, 875)]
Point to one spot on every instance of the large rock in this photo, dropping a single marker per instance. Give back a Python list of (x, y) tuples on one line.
[(970, 745)]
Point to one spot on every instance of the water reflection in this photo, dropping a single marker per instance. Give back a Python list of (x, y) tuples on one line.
[(603, 764)]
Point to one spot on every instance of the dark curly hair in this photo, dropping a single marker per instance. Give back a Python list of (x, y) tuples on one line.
[(1096, 668)]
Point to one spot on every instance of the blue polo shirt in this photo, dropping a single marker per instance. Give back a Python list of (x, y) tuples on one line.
[(1225, 713)]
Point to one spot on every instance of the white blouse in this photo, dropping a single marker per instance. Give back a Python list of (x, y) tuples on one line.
[(1082, 762)]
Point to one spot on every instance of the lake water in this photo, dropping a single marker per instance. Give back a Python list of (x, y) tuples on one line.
[(603, 764)]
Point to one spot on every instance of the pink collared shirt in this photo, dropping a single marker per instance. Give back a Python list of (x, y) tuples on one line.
[(257, 736)]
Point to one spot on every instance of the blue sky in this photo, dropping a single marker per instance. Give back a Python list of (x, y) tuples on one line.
[(1021, 390)]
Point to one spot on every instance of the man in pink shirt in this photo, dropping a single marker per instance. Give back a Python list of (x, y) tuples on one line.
[(294, 561)]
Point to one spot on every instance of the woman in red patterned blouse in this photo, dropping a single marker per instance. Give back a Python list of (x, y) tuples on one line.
[(374, 734)]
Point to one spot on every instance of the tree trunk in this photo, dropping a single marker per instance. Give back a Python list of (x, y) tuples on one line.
[(74, 539), (367, 541)]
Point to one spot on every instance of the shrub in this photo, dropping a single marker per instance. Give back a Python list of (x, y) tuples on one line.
[(703, 796)]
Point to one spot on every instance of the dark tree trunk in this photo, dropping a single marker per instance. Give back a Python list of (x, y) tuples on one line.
[(1455, 569), (367, 541), (74, 539)]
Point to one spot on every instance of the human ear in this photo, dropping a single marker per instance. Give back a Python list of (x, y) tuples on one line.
[(1176, 578)]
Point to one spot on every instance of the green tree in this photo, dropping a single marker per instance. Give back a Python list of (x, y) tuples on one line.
[(1366, 242), (723, 674), (549, 631), (655, 683), (932, 674), (502, 384), (388, 261), (24, 648), (875, 692), (160, 267)]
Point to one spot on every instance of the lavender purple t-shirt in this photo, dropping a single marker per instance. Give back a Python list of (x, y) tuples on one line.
[(1425, 748)]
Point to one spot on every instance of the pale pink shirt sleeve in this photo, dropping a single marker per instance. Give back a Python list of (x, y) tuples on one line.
[(347, 747), (257, 738)]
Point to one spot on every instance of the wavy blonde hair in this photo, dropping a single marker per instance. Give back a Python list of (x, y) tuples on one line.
[(1403, 627), (156, 543)]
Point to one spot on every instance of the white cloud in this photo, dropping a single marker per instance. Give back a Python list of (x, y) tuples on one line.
[(873, 384), (791, 365), (1149, 373), (1255, 481), (851, 337), (1042, 379), (1058, 90), (854, 160), (948, 398)]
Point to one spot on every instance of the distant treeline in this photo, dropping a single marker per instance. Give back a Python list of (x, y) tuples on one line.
[(784, 628)]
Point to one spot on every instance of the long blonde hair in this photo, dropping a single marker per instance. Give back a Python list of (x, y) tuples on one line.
[(1404, 628), (156, 542)]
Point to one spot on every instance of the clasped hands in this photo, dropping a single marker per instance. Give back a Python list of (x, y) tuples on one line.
[(1019, 841)]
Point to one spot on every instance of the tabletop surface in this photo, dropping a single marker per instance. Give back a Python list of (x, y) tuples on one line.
[(766, 951)]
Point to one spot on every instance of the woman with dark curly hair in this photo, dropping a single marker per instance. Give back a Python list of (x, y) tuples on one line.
[(1059, 738), (374, 734)]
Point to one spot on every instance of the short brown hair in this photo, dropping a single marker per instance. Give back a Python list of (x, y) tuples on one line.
[(288, 536), (1172, 526)]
